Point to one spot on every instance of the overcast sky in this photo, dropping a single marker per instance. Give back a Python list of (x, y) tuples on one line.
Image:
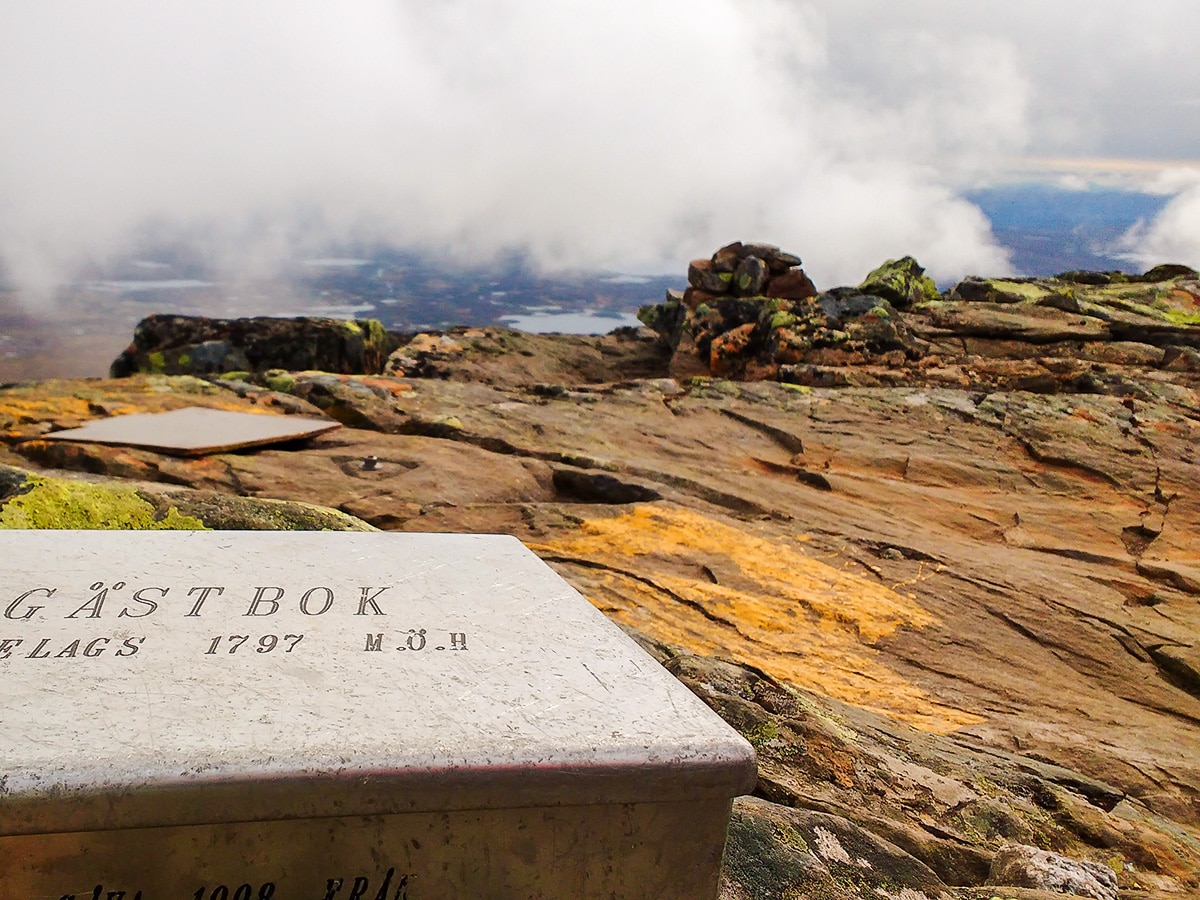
[(629, 134)]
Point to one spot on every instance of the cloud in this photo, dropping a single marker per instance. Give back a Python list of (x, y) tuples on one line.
[(1105, 80), (628, 134), (1174, 234)]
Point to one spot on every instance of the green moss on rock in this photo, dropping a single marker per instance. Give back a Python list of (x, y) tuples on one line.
[(782, 320), (667, 319), (57, 503), (279, 380), (28, 500), (228, 512), (762, 734), (375, 335), (902, 282), (180, 384), (1179, 317)]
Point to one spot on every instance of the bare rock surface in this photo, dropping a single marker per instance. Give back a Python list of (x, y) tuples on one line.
[(72, 500), (1011, 577), (508, 358), (949, 590), (1020, 865), (172, 344)]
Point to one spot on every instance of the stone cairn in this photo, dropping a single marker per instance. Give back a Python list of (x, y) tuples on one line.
[(747, 270), (751, 312)]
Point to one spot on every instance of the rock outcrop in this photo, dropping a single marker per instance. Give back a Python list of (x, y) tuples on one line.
[(1077, 333), (1020, 865), (177, 345), (508, 358), (949, 589), (29, 500)]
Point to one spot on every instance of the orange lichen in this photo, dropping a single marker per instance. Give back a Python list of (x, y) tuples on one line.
[(32, 408), (71, 403), (796, 617), (391, 385)]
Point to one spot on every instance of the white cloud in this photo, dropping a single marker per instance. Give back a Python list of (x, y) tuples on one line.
[(633, 133), (1174, 234)]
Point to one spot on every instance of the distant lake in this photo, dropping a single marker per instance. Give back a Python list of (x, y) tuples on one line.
[(144, 285), (586, 322)]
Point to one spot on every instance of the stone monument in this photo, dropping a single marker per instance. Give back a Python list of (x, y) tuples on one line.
[(340, 716)]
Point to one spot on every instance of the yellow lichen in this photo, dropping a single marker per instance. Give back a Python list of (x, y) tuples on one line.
[(70, 403), (1023, 289), (794, 616), (56, 503), (23, 408)]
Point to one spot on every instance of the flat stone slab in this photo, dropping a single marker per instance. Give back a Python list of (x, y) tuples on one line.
[(400, 690), (196, 431)]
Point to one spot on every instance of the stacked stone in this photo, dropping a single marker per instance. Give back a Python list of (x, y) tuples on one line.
[(747, 270), (750, 312), (722, 322)]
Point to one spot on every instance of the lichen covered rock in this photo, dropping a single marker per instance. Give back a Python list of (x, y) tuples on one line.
[(35, 501), (902, 282), (777, 852), (751, 309), (1047, 335), (975, 516), (174, 345), (1020, 865), (29, 500)]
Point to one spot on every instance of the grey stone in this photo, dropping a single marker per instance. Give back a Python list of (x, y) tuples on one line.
[(777, 853), (195, 431), (705, 277), (191, 709), (750, 277), (1019, 865)]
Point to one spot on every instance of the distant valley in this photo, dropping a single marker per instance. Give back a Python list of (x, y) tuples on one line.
[(1046, 230)]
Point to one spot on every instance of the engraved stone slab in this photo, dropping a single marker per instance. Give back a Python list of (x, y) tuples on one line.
[(267, 716), (195, 431)]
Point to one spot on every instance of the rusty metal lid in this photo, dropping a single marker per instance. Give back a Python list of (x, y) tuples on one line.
[(196, 431)]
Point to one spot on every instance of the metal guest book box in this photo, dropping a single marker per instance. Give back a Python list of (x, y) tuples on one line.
[(337, 716)]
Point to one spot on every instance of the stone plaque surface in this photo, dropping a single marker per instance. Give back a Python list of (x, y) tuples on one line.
[(233, 715), (195, 430)]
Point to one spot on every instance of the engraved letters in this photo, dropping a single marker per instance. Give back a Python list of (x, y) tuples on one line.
[(90, 648), (266, 891), (10, 611), (305, 600), (204, 592), (96, 604), (265, 644), (359, 887), (368, 599), (150, 600), (99, 893), (100, 601), (260, 597), (415, 639), (138, 598)]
